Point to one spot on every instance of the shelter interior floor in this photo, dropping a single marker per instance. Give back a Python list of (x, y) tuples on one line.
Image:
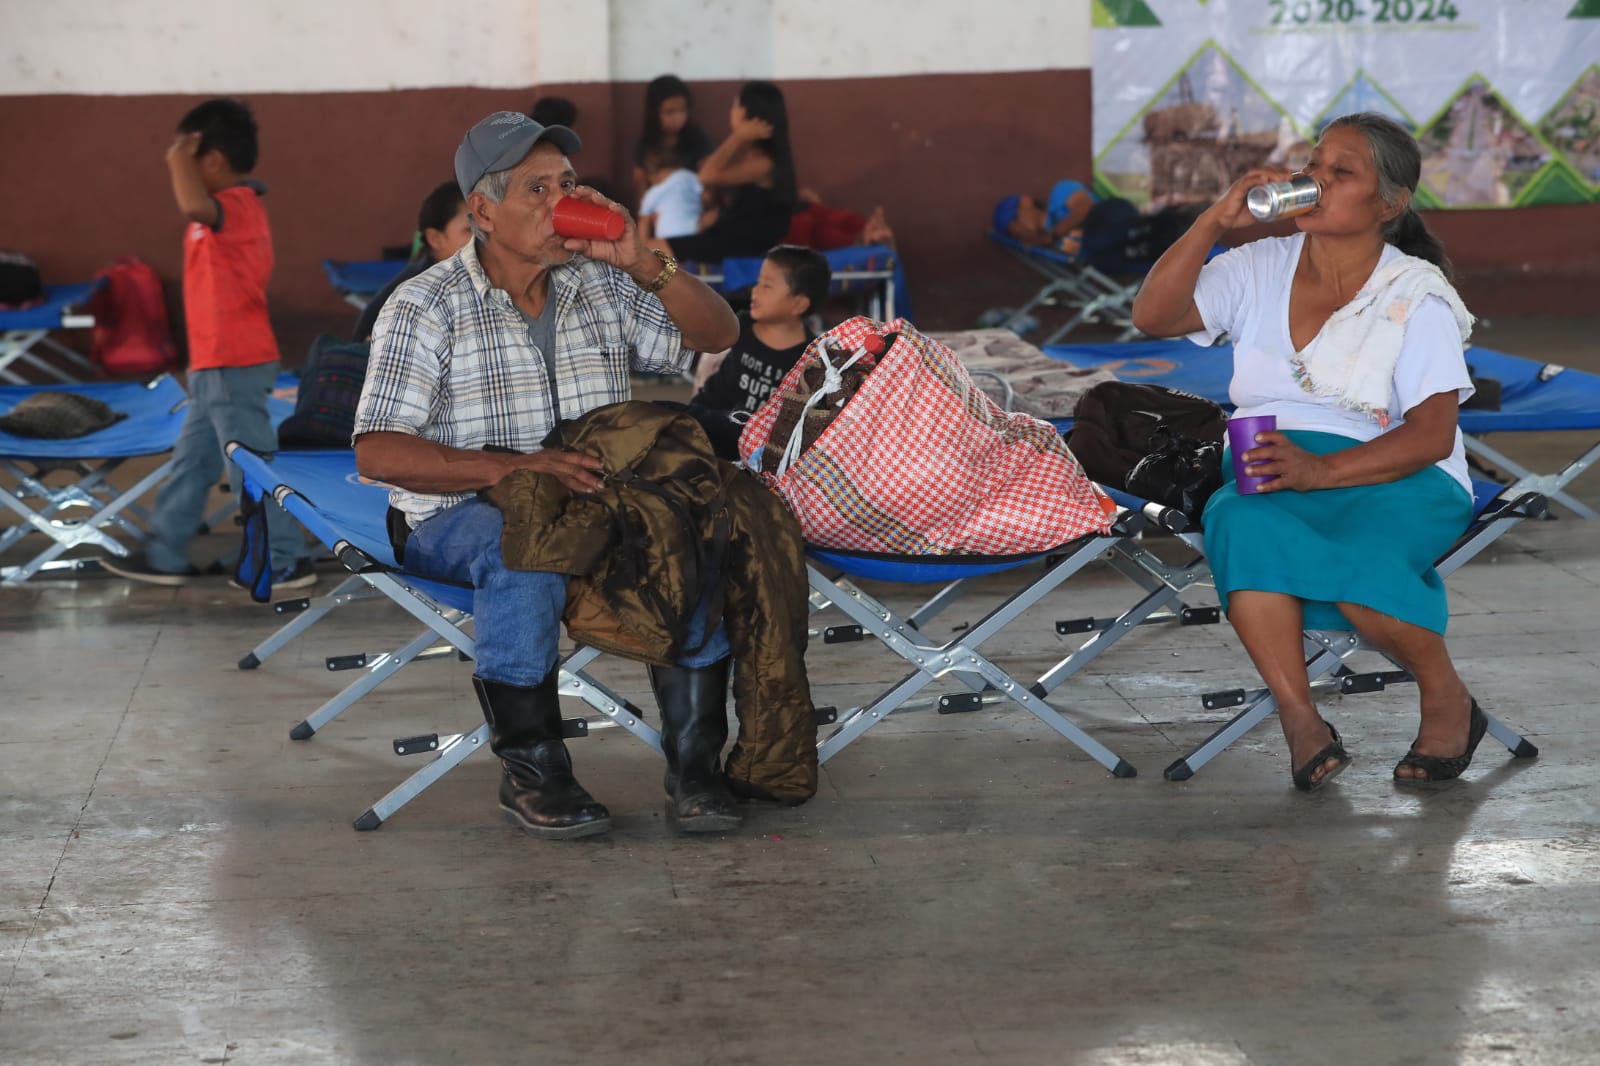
[(181, 882)]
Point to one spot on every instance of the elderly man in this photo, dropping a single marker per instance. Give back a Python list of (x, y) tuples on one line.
[(473, 363)]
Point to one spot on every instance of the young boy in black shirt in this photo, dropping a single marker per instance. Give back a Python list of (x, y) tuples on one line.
[(772, 336)]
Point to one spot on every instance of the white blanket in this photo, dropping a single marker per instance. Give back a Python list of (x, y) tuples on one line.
[(1019, 376)]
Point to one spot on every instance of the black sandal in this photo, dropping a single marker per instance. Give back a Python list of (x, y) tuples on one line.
[(1302, 776), (1440, 768)]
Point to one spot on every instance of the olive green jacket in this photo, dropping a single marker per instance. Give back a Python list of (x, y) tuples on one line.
[(674, 525)]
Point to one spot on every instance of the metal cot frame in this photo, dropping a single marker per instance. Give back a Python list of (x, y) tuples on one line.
[(112, 510), (23, 331)]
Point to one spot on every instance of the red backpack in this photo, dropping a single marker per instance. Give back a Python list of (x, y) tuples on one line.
[(131, 335)]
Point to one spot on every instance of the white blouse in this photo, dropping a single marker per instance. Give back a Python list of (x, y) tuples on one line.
[(1244, 293)]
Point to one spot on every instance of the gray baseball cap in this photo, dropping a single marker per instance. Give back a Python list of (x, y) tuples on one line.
[(503, 140)]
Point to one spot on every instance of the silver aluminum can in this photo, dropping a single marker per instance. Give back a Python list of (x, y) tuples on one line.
[(1283, 199)]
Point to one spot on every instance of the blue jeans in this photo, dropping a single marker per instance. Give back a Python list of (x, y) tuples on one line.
[(516, 613), (226, 403)]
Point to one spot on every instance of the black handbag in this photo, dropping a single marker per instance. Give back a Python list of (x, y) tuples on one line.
[(1162, 444)]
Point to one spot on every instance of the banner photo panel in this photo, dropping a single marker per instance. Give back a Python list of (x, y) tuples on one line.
[(1504, 99)]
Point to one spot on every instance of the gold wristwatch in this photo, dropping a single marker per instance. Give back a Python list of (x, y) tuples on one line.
[(669, 267)]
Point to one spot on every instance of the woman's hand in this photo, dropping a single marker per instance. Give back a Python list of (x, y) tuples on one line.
[(1289, 465), (1230, 211), (749, 129)]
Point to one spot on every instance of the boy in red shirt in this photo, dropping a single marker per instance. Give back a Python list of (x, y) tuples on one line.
[(233, 356)]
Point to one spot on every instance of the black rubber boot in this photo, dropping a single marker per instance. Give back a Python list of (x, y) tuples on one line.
[(537, 788), (694, 728)]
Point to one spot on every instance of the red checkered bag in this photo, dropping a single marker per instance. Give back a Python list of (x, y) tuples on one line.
[(920, 461)]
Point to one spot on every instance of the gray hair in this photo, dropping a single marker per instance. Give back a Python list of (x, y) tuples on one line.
[(1398, 160), (1394, 152), (493, 188)]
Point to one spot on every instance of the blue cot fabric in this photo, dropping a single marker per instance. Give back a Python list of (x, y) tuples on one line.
[(1374, 545), (516, 613), (155, 417), (47, 315), (1005, 212), (740, 274), (364, 277), (1533, 398)]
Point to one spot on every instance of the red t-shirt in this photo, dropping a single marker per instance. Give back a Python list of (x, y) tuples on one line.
[(225, 272)]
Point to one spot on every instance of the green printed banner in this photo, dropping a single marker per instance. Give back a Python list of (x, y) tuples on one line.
[(1503, 97)]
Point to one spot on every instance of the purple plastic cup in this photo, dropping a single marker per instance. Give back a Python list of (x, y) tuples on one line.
[(1241, 438)]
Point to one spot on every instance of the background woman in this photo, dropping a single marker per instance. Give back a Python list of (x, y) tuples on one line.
[(668, 125), (442, 231), (753, 172)]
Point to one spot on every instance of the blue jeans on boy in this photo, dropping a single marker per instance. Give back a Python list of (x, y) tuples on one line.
[(226, 403), (516, 613)]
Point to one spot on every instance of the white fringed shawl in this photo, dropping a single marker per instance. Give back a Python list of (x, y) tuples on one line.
[(1354, 356)]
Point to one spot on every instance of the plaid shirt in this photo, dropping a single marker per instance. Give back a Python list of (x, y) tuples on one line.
[(452, 361)]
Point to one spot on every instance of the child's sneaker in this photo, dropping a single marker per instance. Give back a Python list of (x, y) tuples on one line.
[(302, 575)]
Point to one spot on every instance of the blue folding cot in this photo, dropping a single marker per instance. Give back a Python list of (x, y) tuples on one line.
[(1207, 372), (358, 281), (875, 266), (960, 659), (323, 491), (346, 512), (115, 520), (1534, 397), (25, 332), (1091, 294)]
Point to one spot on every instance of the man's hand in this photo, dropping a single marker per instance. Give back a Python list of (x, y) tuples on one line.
[(704, 319), (1289, 465), (578, 472), (628, 252)]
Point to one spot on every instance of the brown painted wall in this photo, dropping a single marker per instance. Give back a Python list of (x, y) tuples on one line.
[(85, 181)]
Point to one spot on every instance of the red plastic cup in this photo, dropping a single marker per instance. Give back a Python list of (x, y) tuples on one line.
[(586, 221), (1241, 438)]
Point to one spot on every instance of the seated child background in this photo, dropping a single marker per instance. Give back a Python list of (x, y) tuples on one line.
[(773, 334), (442, 231), (671, 205)]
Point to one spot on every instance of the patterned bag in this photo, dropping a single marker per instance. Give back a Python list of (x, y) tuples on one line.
[(918, 461)]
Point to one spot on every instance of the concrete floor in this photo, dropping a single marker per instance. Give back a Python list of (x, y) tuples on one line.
[(180, 882)]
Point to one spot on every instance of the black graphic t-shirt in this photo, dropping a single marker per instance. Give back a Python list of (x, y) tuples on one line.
[(749, 373)]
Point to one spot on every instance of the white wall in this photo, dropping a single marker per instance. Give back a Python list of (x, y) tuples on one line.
[(129, 47), (782, 39)]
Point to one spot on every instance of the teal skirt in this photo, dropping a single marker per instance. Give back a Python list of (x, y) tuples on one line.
[(1373, 545)]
